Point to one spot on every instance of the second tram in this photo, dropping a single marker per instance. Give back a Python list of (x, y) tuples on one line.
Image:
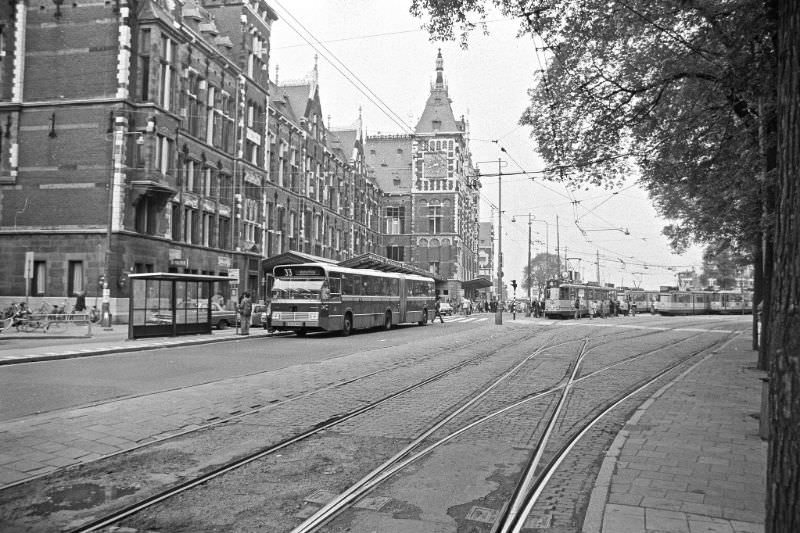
[(560, 298)]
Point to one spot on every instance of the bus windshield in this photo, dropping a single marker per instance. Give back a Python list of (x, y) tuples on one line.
[(297, 289)]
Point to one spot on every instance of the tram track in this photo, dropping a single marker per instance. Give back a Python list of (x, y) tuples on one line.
[(512, 518), (318, 428), (407, 455)]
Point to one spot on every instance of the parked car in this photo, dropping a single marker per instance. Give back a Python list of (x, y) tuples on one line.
[(445, 309), (260, 316), (221, 318)]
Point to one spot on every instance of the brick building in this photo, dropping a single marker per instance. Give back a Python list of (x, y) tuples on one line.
[(431, 193), (144, 137)]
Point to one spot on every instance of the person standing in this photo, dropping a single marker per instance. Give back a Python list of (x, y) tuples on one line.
[(80, 302), (577, 308), (438, 311), (592, 309), (246, 310)]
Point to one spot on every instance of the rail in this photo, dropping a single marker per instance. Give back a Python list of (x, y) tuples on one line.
[(48, 322)]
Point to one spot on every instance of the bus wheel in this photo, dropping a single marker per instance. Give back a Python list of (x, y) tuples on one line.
[(424, 317), (387, 321), (347, 324)]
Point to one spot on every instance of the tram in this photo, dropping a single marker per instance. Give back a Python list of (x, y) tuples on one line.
[(732, 302), (672, 301), (643, 300), (560, 297)]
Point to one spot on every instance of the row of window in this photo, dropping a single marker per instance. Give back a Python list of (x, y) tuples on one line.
[(39, 284)]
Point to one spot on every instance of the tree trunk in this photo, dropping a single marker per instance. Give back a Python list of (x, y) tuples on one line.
[(783, 467)]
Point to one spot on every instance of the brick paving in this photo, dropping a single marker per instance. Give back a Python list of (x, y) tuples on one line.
[(690, 460)]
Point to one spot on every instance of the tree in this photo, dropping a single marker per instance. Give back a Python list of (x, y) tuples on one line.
[(724, 265), (536, 274), (683, 93), (783, 467)]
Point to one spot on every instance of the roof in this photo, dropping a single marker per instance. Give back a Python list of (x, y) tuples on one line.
[(390, 162), (437, 108), (477, 283), (298, 97), (292, 258), (378, 262), (343, 140)]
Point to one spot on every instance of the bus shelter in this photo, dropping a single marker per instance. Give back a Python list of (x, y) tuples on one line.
[(170, 304)]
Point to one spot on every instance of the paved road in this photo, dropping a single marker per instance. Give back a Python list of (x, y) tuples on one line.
[(165, 392)]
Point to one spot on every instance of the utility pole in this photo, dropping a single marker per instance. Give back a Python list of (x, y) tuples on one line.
[(598, 267), (498, 316), (530, 272), (558, 250)]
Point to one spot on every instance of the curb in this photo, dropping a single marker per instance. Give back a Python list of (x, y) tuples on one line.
[(126, 349)]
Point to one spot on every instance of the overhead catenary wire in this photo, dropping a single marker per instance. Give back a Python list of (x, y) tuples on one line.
[(366, 91)]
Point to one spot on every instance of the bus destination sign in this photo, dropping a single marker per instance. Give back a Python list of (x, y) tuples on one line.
[(299, 271)]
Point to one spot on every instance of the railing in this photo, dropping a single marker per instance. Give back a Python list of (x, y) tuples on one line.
[(48, 322)]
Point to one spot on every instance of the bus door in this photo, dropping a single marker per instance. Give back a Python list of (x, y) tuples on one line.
[(403, 300), (334, 301)]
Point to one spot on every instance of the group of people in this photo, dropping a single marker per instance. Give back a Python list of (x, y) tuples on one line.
[(603, 308)]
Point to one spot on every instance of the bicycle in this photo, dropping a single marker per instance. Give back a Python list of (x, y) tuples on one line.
[(29, 324)]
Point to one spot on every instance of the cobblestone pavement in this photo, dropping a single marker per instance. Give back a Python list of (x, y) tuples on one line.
[(690, 459)]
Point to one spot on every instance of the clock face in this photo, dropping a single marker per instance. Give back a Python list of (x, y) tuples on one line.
[(435, 165)]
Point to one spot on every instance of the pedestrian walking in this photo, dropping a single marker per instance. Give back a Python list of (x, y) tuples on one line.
[(592, 309), (245, 310), (437, 311), (577, 308)]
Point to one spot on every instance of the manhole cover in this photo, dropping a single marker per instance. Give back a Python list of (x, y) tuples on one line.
[(482, 514), (374, 503), (320, 496)]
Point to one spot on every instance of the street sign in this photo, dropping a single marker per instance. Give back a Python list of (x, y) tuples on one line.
[(28, 265)]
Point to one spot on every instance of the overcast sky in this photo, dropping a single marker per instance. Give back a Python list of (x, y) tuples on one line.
[(373, 55)]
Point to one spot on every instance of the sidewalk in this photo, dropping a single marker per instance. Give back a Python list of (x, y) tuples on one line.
[(690, 459), (28, 347)]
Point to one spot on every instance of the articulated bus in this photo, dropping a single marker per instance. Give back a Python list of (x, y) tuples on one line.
[(324, 297)]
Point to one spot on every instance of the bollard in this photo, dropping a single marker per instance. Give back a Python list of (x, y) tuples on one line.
[(763, 421)]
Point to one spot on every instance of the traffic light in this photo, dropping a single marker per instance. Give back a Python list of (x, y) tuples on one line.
[(514, 284), (101, 282)]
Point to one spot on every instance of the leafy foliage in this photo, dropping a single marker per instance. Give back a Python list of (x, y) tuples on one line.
[(675, 92)]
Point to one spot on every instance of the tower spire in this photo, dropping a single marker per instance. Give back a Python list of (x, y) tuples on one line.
[(439, 71)]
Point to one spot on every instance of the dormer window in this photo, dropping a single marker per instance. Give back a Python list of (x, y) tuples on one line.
[(437, 125)]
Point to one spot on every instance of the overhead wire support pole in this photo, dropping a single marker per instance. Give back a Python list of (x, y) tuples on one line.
[(498, 316), (530, 277)]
